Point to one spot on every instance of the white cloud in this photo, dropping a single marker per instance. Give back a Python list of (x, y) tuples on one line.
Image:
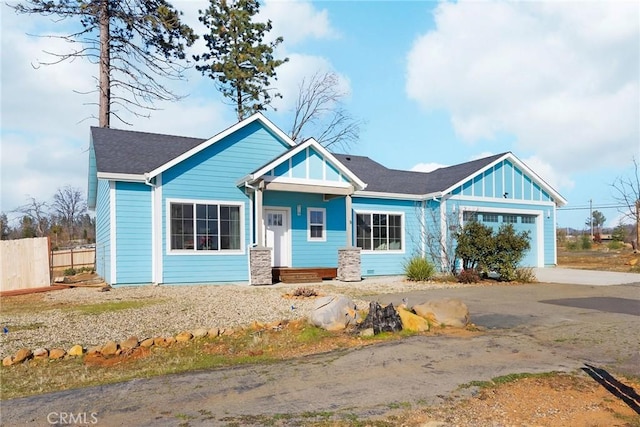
[(297, 21), (562, 77)]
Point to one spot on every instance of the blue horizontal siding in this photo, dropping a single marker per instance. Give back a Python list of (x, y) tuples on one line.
[(211, 175), (381, 263), (103, 228), (306, 253), (133, 233)]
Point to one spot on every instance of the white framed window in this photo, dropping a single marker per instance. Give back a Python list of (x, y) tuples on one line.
[(489, 217), (528, 219), (379, 231), (316, 224), (510, 219), (204, 226)]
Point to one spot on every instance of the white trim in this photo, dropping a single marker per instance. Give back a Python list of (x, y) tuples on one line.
[(127, 177), (194, 251), (158, 274), (307, 181), (403, 227), (112, 232), (444, 234), (324, 225), (288, 258), (545, 203), (230, 130)]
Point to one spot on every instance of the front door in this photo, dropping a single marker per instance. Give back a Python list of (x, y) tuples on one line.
[(277, 229)]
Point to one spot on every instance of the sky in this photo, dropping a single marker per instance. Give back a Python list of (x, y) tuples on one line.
[(435, 84)]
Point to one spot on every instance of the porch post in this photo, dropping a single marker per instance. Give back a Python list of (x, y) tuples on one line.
[(259, 231), (349, 217)]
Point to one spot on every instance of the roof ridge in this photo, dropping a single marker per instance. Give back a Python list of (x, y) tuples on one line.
[(146, 133)]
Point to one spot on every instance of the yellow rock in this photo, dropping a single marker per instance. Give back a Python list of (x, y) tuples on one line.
[(184, 336), (413, 322), (7, 361), (76, 350), (147, 343), (56, 353), (633, 262)]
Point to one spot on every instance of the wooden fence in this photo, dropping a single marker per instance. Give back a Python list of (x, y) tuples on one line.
[(24, 264), (73, 258)]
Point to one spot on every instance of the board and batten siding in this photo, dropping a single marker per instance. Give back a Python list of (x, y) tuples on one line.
[(133, 233), (382, 263), (211, 176), (503, 180), (308, 164), (103, 227), (305, 253)]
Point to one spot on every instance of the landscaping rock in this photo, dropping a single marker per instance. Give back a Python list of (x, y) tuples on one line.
[(40, 353), (412, 322), (76, 350), (170, 340), (184, 336), (160, 342), (110, 348), (213, 332), (147, 343), (366, 332), (333, 313), (447, 311), (382, 319), (129, 343), (7, 361), (96, 349), (57, 353), (22, 355), (199, 333)]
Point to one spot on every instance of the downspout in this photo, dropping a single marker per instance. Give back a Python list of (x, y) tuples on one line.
[(154, 243)]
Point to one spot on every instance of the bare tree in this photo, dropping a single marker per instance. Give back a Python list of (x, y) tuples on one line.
[(132, 41), (37, 214), (627, 193), (436, 239), (319, 108), (69, 204)]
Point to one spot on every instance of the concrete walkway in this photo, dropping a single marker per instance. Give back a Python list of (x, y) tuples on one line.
[(585, 277)]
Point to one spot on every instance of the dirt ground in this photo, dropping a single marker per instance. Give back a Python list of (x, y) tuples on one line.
[(555, 400)]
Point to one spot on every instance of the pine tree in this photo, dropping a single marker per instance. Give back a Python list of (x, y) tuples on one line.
[(132, 41), (239, 61)]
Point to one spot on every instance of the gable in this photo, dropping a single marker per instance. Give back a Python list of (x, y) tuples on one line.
[(507, 178), (306, 164)]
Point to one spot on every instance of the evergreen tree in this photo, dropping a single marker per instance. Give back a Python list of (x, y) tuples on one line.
[(239, 61), (132, 41)]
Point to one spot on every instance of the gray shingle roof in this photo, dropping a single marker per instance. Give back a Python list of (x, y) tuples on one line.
[(382, 179), (130, 152)]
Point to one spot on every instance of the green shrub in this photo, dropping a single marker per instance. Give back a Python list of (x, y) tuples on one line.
[(615, 245), (469, 275), (70, 272), (419, 269), (585, 242), (572, 245), (525, 275), (509, 249)]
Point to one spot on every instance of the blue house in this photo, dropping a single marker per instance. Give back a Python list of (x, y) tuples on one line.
[(176, 210)]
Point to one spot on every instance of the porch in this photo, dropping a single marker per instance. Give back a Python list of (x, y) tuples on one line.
[(303, 274)]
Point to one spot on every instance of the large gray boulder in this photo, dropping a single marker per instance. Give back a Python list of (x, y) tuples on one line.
[(446, 311), (333, 313)]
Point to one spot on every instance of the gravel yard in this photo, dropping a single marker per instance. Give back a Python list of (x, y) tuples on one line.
[(73, 316)]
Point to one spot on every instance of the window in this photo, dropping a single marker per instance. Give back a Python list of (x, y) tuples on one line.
[(528, 219), (316, 218), (379, 232), (489, 217), (510, 219), (204, 227), (469, 216)]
